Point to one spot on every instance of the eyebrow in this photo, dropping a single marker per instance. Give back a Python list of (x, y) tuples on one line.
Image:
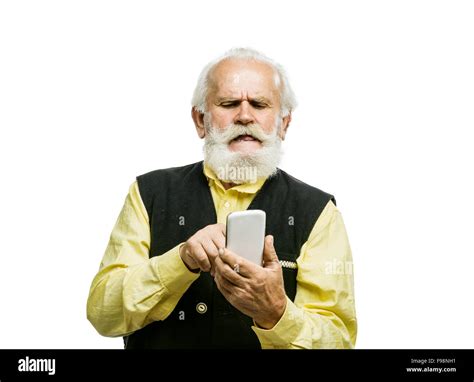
[(232, 99)]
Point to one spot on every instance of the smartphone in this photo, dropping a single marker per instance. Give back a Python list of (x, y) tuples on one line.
[(245, 234)]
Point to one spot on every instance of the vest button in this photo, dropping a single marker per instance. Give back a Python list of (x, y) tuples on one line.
[(201, 308)]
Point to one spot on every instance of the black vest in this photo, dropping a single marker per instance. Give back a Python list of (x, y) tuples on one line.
[(179, 203)]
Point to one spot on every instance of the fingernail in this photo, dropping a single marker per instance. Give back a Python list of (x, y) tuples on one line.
[(271, 239)]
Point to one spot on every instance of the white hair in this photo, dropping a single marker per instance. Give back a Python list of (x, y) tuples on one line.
[(287, 97), (237, 167)]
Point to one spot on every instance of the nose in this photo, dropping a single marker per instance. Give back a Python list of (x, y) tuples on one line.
[(244, 114)]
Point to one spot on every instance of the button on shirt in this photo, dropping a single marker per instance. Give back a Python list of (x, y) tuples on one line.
[(131, 290)]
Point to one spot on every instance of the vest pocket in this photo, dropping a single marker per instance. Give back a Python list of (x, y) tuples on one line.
[(290, 270), (287, 264)]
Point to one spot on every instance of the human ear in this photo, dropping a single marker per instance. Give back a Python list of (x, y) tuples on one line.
[(285, 123), (198, 118)]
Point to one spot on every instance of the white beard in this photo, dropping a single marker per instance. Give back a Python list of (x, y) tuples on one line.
[(236, 167)]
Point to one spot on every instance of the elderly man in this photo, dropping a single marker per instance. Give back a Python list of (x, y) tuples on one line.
[(166, 279)]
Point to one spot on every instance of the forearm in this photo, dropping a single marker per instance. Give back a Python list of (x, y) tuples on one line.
[(301, 328), (124, 298), (323, 312)]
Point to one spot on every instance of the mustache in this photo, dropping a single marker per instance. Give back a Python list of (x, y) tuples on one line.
[(235, 130)]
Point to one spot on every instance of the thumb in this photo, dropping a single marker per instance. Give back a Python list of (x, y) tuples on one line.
[(269, 254)]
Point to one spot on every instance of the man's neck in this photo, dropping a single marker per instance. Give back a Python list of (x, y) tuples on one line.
[(228, 185)]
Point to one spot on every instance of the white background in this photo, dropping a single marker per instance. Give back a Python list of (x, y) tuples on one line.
[(93, 93)]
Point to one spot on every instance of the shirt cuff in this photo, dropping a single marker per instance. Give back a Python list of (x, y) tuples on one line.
[(286, 333), (173, 273)]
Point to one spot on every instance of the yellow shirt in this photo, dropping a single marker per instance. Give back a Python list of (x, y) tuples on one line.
[(131, 290)]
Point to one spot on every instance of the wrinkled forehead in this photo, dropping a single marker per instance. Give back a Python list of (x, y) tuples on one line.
[(234, 77)]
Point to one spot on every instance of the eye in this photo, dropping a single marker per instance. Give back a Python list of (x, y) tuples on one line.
[(229, 104), (258, 105)]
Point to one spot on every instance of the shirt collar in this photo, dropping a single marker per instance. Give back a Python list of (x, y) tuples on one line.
[(249, 188)]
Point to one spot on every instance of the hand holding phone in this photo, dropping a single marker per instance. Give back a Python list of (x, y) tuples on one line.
[(245, 234)]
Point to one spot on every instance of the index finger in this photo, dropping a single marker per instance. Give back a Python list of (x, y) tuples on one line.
[(246, 267)]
